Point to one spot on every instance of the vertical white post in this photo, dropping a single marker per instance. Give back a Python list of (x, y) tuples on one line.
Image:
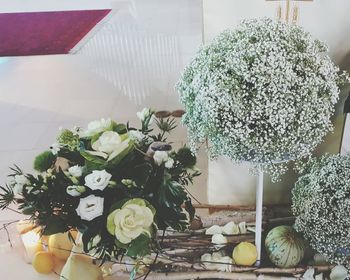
[(258, 217)]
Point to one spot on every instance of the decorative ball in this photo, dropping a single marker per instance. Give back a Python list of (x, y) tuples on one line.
[(43, 262), (284, 246), (263, 92), (321, 206), (245, 253)]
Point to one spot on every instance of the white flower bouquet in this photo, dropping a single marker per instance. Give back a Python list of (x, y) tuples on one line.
[(263, 92), (116, 184)]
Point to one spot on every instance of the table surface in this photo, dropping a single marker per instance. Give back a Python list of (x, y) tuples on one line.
[(12, 263)]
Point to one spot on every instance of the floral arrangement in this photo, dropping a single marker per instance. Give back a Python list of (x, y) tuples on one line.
[(264, 92), (321, 204), (116, 184)]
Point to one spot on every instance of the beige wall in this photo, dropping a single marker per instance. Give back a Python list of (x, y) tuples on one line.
[(327, 20)]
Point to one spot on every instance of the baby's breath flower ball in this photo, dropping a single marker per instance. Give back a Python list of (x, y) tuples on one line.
[(263, 92), (321, 204)]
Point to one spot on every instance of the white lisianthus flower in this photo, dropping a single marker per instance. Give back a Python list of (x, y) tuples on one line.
[(21, 180), (17, 189), (169, 163), (146, 112), (160, 157), (55, 148), (95, 127), (109, 145), (98, 180), (90, 207), (18, 182), (75, 190), (130, 221), (75, 171)]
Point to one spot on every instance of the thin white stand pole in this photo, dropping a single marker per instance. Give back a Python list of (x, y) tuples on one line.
[(258, 217)]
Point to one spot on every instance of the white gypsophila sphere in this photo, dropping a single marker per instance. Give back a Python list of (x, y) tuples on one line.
[(263, 92), (321, 205)]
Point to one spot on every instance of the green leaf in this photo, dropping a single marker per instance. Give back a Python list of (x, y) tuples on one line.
[(118, 205), (93, 162), (142, 173), (171, 194), (120, 128), (54, 225), (189, 208), (28, 210), (140, 246)]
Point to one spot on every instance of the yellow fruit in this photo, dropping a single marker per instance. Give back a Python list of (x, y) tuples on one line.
[(245, 253), (60, 245), (43, 262)]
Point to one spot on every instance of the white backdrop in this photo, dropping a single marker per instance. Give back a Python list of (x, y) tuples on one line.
[(327, 20)]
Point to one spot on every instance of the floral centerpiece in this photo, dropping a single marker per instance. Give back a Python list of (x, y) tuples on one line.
[(263, 92), (114, 183), (321, 204)]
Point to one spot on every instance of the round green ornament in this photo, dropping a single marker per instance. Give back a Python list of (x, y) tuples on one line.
[(284, 246)]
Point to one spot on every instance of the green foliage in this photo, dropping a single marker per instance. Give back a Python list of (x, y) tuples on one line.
[(186, 157), (6, 196), (139, 247), (132, 177), (44, 161)]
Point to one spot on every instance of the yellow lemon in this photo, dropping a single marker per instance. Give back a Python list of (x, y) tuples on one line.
[(245, 253), (60, 245), (43, 262)]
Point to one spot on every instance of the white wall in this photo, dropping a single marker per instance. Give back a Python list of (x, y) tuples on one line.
[(113, 78), (327, 20)]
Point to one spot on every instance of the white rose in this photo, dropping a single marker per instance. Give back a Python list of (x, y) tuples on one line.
[(90, 207), (98, 180), (169, 163), (146, 112), (160, 157), (129, 222), (95, 127), (75, 190), (109, 145), (75, 170)]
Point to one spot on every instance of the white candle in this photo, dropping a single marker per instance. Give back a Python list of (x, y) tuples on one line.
[(32, 245)]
